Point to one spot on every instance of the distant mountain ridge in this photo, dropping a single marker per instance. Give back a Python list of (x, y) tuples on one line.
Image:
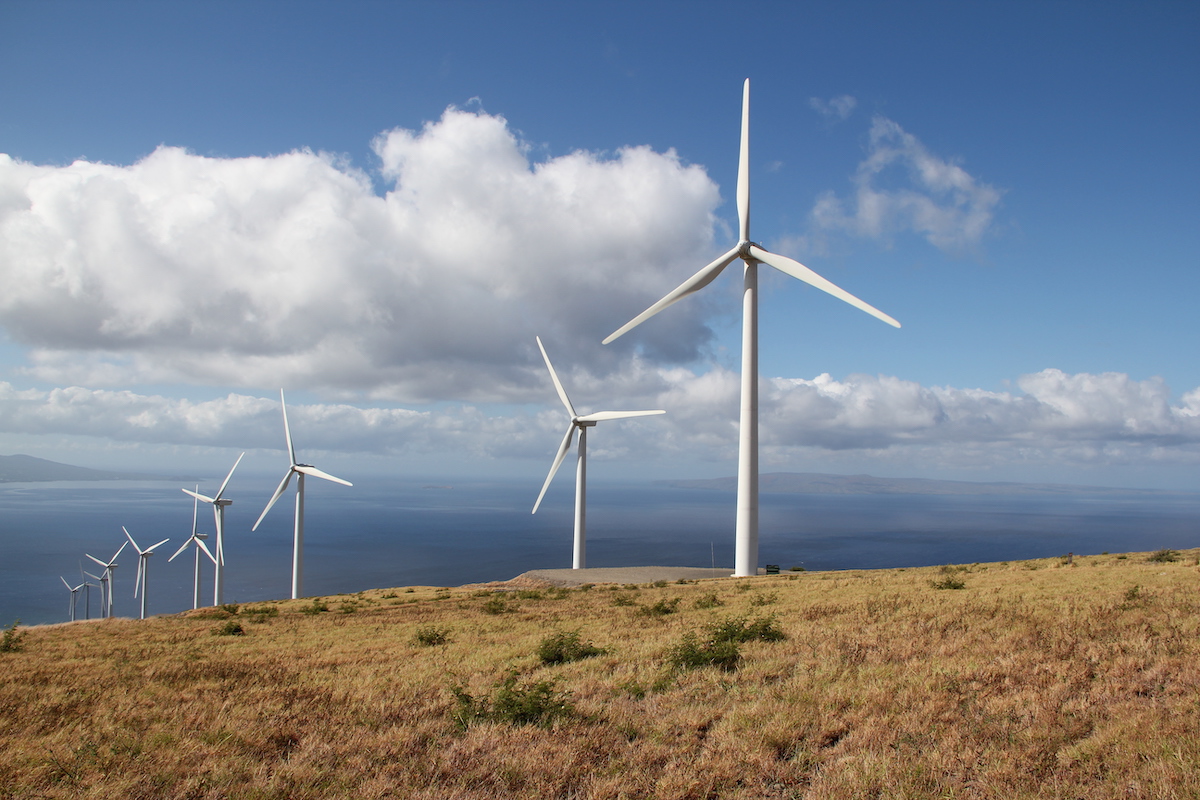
[(29, 469), (821, 483)]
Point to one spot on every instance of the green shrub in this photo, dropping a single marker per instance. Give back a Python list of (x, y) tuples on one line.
[(565, 646), (739, 629), (260, 614), (709, 600), (659, 584), (623, 600), (538, 703), (661, 608), (1163, 556), (758, 600), (317, 607), (230, 628), (11, 642), (495, 605), (796, 568), (230, 608), (693, 653), (949, 583), (431, 636)]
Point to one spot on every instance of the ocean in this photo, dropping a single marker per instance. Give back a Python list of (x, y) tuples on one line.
[(399, 532)]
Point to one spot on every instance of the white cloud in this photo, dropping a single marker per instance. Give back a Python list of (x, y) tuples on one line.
[(1080, 420), (902, 187), (836, 108), (290, 270)]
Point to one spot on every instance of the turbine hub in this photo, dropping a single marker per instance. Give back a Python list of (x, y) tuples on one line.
[(744, 250)]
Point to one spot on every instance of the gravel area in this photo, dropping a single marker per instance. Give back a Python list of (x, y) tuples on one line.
[(575, 577)]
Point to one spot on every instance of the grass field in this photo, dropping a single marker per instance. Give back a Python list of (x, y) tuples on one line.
[(1025, 679)]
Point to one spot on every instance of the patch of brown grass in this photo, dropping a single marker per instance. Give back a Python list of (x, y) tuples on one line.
[(1037, 679)]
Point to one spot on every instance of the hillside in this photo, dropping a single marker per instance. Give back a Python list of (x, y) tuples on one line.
[(822, 483), (1039, 679), (28, 469)]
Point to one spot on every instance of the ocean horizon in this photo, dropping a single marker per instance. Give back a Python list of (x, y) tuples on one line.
[(384, 533)]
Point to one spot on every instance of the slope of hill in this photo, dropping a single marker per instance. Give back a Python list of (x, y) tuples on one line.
[(820, 483), (28, 469)]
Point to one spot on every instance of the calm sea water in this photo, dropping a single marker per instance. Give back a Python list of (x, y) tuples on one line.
[(406, 532)]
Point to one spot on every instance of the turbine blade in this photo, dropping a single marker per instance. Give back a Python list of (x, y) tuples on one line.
[(221, 491), (195, 508), (184, 547), (119, 549), (274, 497), (693, 284), (601, 416), (316, 473), (287, 432), (558, 459), (199, 496), (801, 272), (98, 561), (64, 580), (208, 552), (743, 179), (562, 393), (96, 577), (135, 547), (154, 547)]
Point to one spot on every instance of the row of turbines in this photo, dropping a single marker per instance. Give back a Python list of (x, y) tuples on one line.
[(215, 554), (747, 528)]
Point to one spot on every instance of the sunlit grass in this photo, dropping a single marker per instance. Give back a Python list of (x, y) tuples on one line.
[(1034, 679)]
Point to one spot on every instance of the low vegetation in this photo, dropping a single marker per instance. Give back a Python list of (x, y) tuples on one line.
[(1034, 679)]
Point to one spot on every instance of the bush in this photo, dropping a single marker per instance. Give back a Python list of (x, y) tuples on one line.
[(11, 642), (1163, 556), (692, 653), (230, 628), (623, 600), (709, 600), (565, 646), (757, 600), (230, 608), (495, 605), (431, 636), (949, 583), (538, 703), (739, 629), (317, 607), (260, 614), (661, 608)]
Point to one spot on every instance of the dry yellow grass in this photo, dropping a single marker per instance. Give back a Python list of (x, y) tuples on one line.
[(1037, 679)]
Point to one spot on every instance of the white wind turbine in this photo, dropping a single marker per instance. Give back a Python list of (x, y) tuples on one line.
[(198, 538), (87, 591), (299, 470), (218, 503), (580, 423), (74, 590), (746, 555), (109, 566), (143, 557)]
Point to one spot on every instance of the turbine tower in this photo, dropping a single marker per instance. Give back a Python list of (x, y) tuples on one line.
[(109, 566), (299, 470), (746, 550), (87, 591), (198, 538), (143, 557), (580, 423), (218, 503)]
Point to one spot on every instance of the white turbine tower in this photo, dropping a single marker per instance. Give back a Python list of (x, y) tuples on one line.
[(74, 590), (746, 555), (580, 423), (87, 592), (218, 503), (143, 558), (109, 566), (198, 538), (299, 470)]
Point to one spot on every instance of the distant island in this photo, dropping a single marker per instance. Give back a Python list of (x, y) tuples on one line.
[(820, 483), (28, 469)]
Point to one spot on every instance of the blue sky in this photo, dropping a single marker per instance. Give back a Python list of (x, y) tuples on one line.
[(202, 202)]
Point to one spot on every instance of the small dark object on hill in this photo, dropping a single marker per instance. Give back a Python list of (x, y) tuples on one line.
[(566, 646), (230, 628), (537, 703), (431, 636), (949, 583), (11, 642), (1163, 556)]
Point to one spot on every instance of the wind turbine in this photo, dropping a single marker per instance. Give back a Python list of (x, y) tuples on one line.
[(218, 503), (143, 556), (299, 470), (198, 538), (87, 592), (74, 592), (580, 423), (746, 551), (109, 566)]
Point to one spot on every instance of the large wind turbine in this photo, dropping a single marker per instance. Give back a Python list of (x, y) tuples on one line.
[(218, 503), (198, 538), (580, 423), (109, 566), (299, 470), (143, 558), (746, 555)]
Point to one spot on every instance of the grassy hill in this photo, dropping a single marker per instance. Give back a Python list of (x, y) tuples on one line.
[(1031, 679)]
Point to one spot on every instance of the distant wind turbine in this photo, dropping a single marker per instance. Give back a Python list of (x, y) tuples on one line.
[(198, 538), (746, 551), (218, 503), (143, 559), (74, 594), (109, 566), (87, 592), (299, 470), (580, 423)]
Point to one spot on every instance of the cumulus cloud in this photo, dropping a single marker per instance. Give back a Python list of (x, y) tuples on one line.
[(1076, 420), (836, 108), (291, 270), (901, 187)]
